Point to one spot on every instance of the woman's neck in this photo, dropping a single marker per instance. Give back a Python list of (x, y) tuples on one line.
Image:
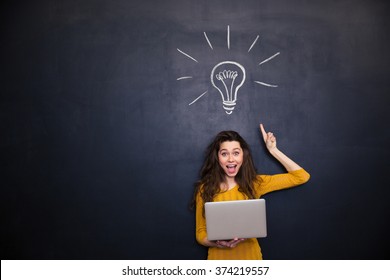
[(229, 183)]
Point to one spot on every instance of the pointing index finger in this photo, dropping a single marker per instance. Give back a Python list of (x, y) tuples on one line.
[(263, 131)]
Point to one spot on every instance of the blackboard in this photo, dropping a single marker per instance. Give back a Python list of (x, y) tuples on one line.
[(107, 108)]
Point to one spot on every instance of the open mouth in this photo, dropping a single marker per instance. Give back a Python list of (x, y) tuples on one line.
[(231, 168)]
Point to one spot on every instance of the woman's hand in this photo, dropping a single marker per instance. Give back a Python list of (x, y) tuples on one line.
[(229, 244), (269, 138), (270, 142)]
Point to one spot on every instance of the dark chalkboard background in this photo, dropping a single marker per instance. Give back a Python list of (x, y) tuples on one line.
[(100, 148)]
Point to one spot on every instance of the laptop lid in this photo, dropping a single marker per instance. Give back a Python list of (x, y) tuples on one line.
[(226, 220)]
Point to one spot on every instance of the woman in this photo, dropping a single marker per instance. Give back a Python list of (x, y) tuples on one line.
[(228, 173)]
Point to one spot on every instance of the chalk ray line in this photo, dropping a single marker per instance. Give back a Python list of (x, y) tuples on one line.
[(187, 55), (228, 37), (197, 98), (254, 42), (268, 59), (183, 78), (207, 39), (265, 84)]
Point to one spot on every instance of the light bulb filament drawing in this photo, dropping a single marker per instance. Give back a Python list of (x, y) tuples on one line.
[(228, 77)]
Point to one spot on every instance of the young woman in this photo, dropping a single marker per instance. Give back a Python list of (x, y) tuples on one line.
[(228, 173)]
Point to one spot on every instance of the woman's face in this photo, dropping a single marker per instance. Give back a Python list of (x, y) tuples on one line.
[(230, 157)]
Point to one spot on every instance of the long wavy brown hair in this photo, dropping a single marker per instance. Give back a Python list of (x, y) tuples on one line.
[(212, 174)]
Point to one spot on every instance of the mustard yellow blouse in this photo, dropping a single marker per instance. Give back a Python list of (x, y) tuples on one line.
[(250, 248)]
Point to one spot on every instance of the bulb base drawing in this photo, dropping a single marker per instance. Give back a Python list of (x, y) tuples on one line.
[(229, 106)]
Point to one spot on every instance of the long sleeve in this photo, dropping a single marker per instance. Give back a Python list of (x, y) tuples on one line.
[(201, 232), (270, 183)]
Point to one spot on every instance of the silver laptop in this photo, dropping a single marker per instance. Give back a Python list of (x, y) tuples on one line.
[(226, 220)]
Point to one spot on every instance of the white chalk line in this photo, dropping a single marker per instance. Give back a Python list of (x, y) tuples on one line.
[(228, 37), (265, 84), (254, 42), (188, 55), (268, 59), (207, 39), (183, 78), (197, 98)]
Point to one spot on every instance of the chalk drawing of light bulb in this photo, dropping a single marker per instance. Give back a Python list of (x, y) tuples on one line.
[(228, 77)]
